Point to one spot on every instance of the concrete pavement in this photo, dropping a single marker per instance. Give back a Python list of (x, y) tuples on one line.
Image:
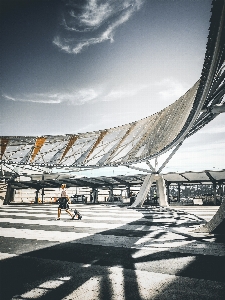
[(112, 253)]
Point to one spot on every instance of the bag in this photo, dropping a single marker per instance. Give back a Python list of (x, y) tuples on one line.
[(77, 213)]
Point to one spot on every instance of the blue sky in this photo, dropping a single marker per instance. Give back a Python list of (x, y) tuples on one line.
[(76, 66)]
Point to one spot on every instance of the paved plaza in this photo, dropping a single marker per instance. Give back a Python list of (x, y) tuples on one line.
[(112, 253)]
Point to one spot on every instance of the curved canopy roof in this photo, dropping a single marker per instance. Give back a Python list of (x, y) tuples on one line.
[(140, 140)]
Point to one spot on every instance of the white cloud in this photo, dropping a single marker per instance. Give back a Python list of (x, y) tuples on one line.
[(206, 156), (9, 98), (172, 89), (93, 22), (79, 97), (124, 92), (94, 13), (102, 123), (212, 130)]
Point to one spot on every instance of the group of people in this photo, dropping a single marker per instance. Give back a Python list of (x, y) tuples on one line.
[(64, 201)]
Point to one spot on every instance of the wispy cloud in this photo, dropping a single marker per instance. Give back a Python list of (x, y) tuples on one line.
[(79, 97), (92, 22), (212, 130), (171, 88), (124, 92), (7, 97)]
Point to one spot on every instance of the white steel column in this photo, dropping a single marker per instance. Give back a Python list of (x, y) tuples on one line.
[(141, 196), (161, 190)]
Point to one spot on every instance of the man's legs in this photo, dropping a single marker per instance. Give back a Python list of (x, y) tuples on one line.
[(59, 213), (72, 215)]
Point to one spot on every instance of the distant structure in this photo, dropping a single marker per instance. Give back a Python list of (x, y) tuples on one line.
[(139, 141)]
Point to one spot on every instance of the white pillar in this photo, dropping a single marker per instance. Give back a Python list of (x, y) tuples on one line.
[(161, 190), (141, 196)]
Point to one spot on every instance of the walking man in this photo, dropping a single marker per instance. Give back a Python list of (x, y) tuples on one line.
[(63, 202)]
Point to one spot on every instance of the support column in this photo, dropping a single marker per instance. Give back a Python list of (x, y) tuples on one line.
[(128, 192), (42, 195), (91, 196), (141, 196), (178, 192), (161, 188), (36, 196), (214, 193), (111, 198), (220, 192), (94, 195), (9, 194), (3, 190), (168, 192)]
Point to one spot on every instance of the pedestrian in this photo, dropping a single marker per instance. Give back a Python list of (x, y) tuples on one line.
[(64, 201)]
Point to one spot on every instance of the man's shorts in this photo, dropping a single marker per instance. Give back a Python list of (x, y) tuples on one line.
[(63, 204)]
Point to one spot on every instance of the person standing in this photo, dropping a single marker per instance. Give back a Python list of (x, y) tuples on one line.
[(64, 203)]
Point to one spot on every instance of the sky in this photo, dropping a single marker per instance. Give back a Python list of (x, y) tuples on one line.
[(70, 66)]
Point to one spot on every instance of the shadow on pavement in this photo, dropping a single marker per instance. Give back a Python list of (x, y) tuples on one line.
[(147, 270)]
